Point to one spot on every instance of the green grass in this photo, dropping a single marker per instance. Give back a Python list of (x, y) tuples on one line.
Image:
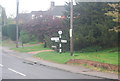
[(104, 56), (109, 56), (54, 56), (30, 48), (8, 43)]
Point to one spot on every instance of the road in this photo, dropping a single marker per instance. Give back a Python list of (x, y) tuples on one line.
[(16, 68)]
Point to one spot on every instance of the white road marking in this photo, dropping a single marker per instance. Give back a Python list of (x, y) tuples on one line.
[(1, 65), (16, 72)]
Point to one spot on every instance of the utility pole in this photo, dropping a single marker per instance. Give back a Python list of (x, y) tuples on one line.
[(71, 28), (17, 19)]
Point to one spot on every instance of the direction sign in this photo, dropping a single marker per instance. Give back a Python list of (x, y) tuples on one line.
[(58, 40), (64, 41), (55, 38), (70, 32), (54, 46)]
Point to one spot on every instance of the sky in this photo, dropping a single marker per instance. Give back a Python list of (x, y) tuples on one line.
[(26, 6)]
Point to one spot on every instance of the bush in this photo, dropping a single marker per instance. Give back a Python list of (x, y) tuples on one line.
[(33, 38), (10, 31), (4, 30), (91, 49), (24, 38), (33, 42)]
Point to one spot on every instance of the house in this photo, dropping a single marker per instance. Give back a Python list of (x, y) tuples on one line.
[(3, 17), (54, 11), (36, 14), (24, 17)]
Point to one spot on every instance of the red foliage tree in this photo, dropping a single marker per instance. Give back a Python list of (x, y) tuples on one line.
[(45, 25)]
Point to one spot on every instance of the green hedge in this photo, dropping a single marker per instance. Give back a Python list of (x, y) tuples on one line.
[(10, 31)]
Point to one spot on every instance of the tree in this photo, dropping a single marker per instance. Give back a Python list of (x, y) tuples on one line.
[(42, 26), (10, 31), (4, 30), (24, 37), (91, 25), (11, 20), (115, 13)]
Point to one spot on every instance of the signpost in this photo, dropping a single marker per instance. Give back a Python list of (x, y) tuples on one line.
[(60, 44), (59, 40)]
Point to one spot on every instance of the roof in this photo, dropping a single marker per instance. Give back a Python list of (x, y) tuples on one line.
[(24, 17), (54, 11), (57, 10), (39, 12)]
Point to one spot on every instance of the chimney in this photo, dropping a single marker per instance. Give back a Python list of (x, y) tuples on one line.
[(52, 4)]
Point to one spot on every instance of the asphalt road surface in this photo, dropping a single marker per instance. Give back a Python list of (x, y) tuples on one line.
[(16, 68)]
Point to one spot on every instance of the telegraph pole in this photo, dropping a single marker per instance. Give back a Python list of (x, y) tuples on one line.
[(17, 23), (71, 28)]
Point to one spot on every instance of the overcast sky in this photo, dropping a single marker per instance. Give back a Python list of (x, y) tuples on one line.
[(28, 5), (35, 5)]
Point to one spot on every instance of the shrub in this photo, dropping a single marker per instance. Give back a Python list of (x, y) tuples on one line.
[(91, 49)]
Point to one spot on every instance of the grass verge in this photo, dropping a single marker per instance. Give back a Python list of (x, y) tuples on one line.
[(8, 43), (38, 47), (109, 56), (104, 56)]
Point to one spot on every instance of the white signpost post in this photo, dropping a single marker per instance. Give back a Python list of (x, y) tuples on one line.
[(59, 40), (60, 44)]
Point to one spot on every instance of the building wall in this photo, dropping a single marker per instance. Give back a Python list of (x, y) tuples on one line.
[(3, 17), (0, 15), (0, 24)]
